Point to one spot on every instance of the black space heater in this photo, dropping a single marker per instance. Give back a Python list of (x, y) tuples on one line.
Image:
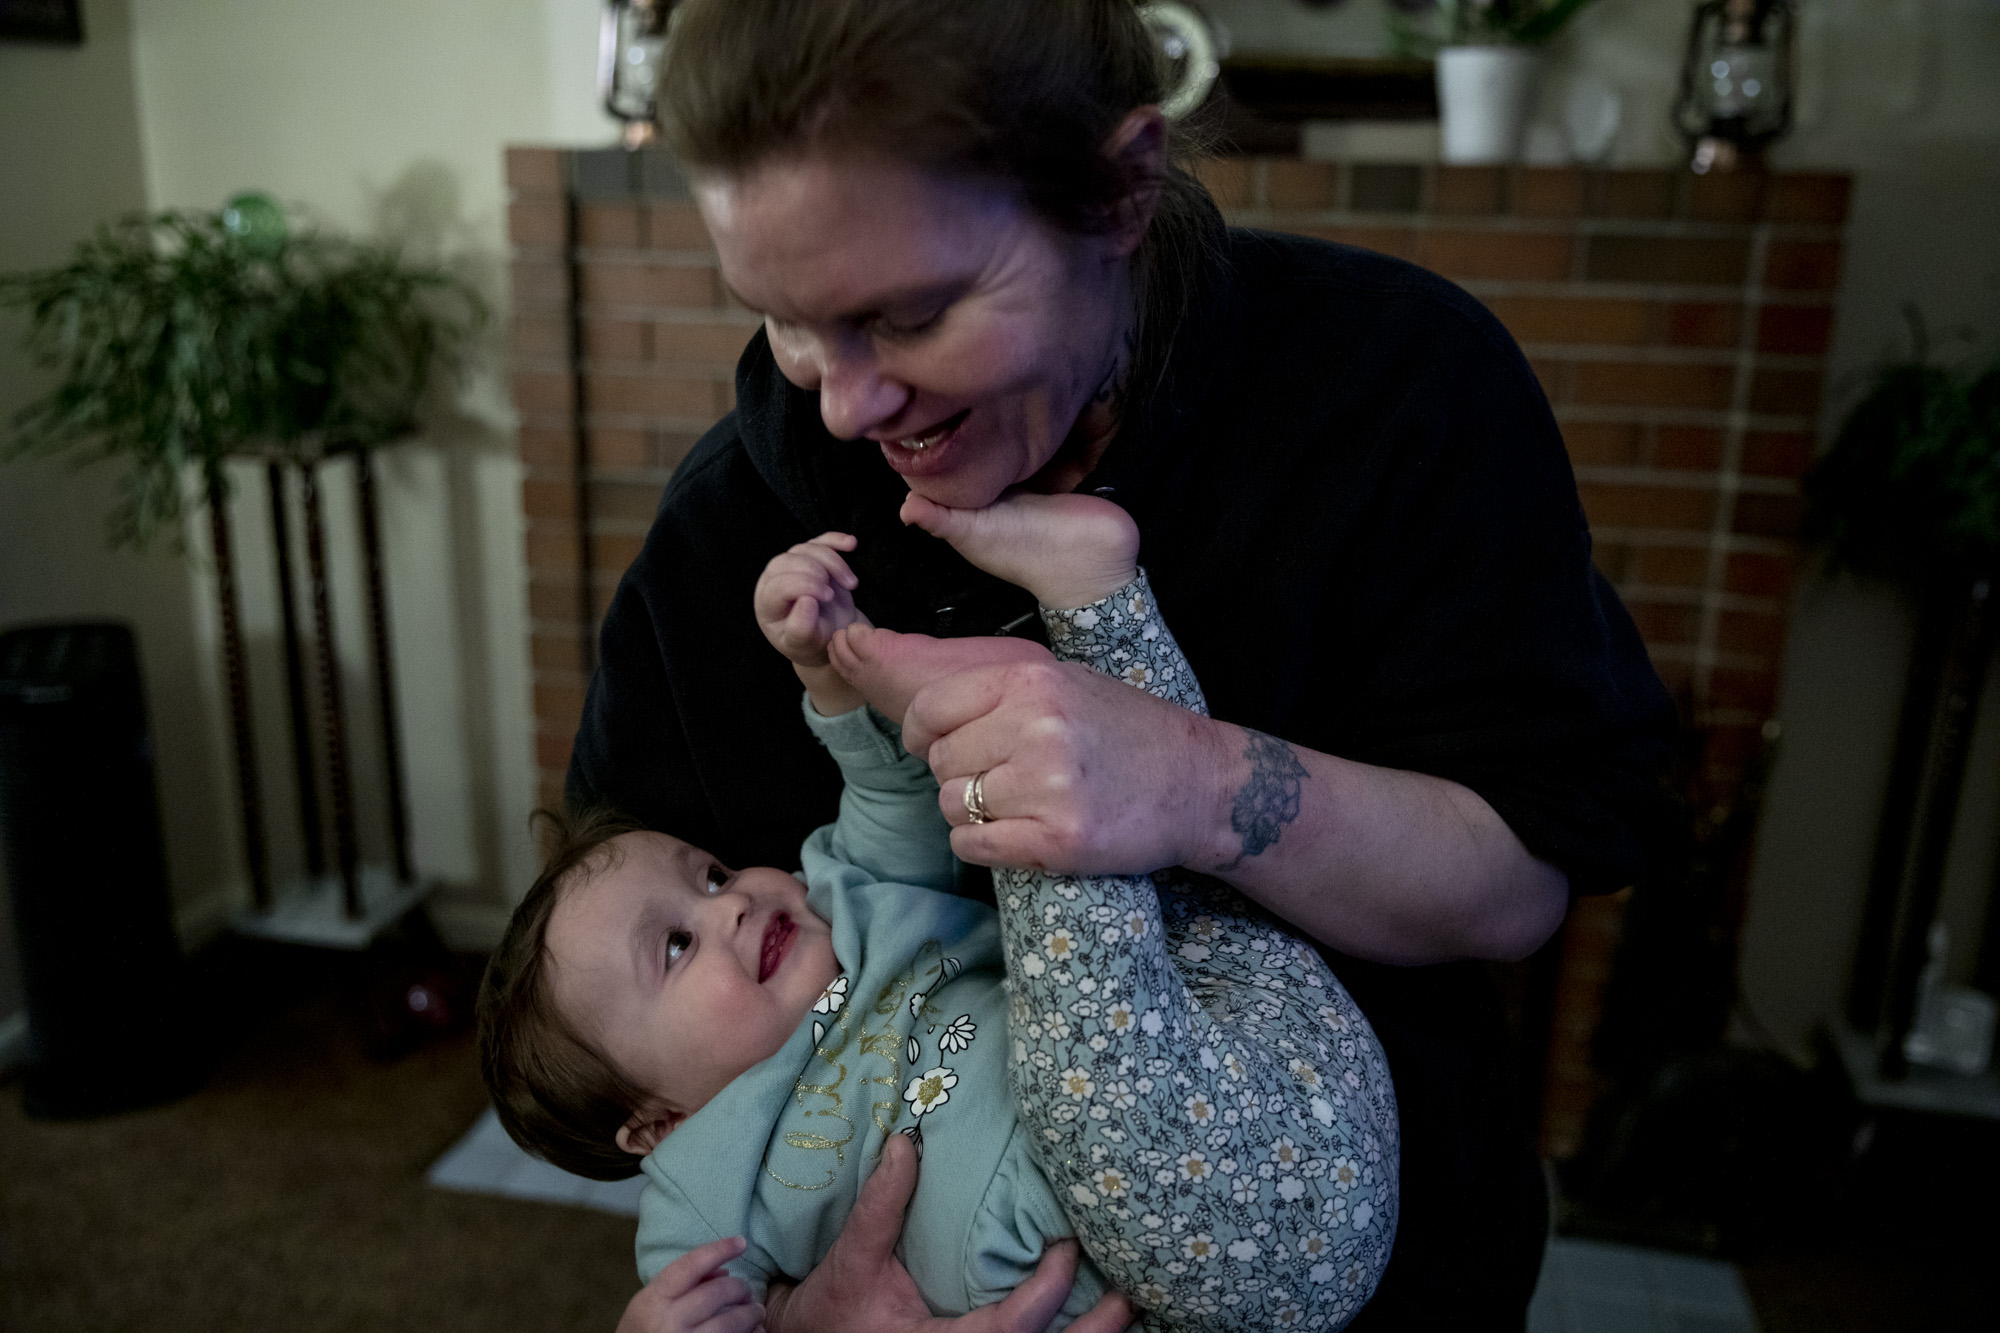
[(80, 830)]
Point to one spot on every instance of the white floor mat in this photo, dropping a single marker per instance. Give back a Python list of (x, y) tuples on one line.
[(486, 1161), (1588, 1286)]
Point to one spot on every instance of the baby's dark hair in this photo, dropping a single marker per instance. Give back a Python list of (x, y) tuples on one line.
[(554, 1091)]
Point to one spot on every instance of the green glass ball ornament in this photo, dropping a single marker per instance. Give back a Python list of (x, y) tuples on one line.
[(256, 222)]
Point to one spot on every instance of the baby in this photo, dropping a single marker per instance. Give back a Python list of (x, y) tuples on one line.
[(1174, 1079)]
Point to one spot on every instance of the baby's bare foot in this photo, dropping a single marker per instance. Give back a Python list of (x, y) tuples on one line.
[(1068, 550)]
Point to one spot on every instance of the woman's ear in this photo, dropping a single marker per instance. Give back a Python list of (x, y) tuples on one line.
[(643, 1133), (1139, 149)]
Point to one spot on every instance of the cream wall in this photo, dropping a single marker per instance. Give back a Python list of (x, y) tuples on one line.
[(379, 117), (70, 156), (389, 119)]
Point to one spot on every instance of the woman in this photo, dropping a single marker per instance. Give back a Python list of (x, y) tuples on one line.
[(980, 268)]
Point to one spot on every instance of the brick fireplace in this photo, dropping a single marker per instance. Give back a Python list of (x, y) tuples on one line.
[(1679, 325)]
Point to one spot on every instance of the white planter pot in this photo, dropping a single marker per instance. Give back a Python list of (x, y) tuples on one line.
[(1485, 94)]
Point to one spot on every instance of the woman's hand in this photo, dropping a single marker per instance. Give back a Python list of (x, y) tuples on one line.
[(1083, 773), (695, 1294), (862, 1288)]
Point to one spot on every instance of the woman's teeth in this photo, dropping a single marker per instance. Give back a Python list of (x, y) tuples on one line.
[(918, 443)]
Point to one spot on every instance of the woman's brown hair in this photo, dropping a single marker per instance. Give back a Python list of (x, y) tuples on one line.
[(555, 1093), (1026, 92)]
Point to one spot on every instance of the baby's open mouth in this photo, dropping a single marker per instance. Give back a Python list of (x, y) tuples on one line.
[(777, 938)]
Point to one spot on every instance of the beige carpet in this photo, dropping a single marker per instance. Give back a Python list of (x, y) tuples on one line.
[(289, 1195)]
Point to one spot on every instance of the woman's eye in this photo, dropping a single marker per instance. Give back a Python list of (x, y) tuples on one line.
[(678, 943), (717, 878), (891, 328)]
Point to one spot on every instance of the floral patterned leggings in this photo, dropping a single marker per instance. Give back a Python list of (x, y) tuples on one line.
[(1206, 1097)]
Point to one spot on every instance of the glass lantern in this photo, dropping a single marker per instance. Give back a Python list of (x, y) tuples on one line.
[(1736, 82), (631, 46)]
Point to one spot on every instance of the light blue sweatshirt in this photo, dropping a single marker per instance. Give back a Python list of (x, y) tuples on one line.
[(912, 1038)]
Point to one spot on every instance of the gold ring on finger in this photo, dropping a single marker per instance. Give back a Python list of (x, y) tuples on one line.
[(975, 799)]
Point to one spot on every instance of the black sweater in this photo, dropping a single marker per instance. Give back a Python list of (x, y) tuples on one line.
[(1360, 522)]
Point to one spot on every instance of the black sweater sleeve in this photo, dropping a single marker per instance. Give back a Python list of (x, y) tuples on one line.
[(1498, 656), (1377, 550)]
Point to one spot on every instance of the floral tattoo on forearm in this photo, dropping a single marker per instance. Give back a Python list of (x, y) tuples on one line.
[(1269, 799)]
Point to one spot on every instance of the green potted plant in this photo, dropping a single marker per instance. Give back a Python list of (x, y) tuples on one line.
[(1488, 55), (180, 339), (1910, 492)]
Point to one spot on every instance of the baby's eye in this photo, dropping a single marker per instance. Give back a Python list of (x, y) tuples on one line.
[(717, 877), (678, 943)]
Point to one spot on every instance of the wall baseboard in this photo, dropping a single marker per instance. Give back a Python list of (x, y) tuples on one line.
[(471, 927)]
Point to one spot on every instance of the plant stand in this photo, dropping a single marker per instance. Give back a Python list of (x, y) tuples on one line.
[(237, 670), (1956, 632), (353, 905), (1926, 1091), (315, 911)]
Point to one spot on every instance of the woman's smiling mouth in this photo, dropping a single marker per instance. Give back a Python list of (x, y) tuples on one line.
[(778, 938), (913, 455)]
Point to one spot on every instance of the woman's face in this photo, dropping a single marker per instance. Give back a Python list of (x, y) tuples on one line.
[(937, 316)]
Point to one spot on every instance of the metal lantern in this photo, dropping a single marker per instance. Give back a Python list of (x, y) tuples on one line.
[(631, 46), (1736, 81)]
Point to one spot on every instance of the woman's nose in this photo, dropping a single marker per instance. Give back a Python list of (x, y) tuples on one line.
[(855, 396)]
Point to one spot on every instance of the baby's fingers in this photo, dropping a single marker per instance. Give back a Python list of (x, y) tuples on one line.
[(824, 551), (747, 1318), (711, 1305), (695, 1267), (780, 588), (802, 624)]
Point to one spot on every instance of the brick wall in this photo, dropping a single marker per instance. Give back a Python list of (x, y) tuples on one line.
[(659, 341), (1678, 323)]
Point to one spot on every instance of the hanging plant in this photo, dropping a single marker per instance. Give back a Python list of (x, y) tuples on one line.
[(180, 338), (1910, 489)]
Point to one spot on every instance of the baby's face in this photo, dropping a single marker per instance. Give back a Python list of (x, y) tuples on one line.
[(684, 972)]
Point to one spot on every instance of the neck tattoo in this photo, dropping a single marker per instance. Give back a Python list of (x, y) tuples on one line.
[(1111, 386)]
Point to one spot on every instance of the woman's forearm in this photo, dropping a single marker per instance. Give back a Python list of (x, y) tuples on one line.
[(1380, 863), (1088, 775)]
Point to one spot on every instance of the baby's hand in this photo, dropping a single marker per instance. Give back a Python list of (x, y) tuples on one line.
[(806, 596), (1068, 550), (695, 1294)]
